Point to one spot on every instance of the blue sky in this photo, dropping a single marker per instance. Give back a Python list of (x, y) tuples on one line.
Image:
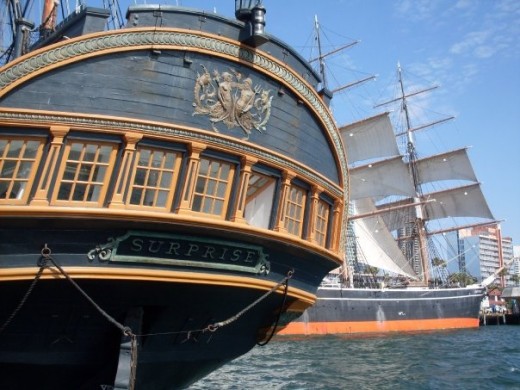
[(470, 48)]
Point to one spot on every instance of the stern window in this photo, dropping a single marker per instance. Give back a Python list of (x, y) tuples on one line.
[(259, 200), (154, 178), (213, 187), (294, 210), (322, 221), (17, 168), (84, 176)]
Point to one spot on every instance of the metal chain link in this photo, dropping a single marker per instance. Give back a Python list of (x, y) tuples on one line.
[(213, 327), (43, 265)]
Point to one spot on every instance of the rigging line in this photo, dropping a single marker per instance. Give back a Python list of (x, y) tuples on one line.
[(420, 248), (447, 261), (26, 8), (120, 14), (63, 13), (337, 50), (459, 254)]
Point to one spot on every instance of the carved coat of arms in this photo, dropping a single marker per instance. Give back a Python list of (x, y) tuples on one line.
[(232, 100)]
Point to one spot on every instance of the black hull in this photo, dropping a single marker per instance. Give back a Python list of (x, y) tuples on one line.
[(58, 340), (374, 311)]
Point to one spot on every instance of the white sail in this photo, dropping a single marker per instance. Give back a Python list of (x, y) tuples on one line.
[(381, 179), (371, 138), (453, 165), (379, 174), (377, 244), (391, 176), (466, 201)]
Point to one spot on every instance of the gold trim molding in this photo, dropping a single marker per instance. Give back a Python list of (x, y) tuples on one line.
[(103, 273)]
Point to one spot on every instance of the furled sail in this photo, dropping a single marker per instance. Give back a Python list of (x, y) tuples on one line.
[(377, 244)]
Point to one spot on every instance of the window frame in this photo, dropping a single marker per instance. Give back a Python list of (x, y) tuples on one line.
[(231, 180), (303, 207), (325, 232), (30, 179), (64, 160), (172, 189)]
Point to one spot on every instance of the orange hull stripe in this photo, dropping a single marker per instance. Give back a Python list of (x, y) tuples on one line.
[(317, 328)]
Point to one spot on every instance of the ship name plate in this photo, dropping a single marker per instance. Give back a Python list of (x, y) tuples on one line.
[(183, 250)]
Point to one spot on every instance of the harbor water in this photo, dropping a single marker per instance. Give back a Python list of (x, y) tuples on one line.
[(483, 358)]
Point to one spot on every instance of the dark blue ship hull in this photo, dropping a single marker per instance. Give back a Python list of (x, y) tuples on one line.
[(345, 310)]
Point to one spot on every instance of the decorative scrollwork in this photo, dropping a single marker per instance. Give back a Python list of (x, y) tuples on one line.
[(102, 253), (265, 268), (229, 99)]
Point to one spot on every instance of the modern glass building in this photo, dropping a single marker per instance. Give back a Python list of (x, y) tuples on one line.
[(477, 252)]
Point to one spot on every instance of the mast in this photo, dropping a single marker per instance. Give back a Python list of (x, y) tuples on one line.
[(379, 171), (325, 92), (21, 29), (418, 229), (320, 54), (48, 17)]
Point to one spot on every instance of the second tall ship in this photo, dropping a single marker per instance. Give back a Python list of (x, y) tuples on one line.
[(394, 279)]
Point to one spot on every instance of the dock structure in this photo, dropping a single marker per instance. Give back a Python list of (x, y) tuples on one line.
[(511, 295), (490, 318)]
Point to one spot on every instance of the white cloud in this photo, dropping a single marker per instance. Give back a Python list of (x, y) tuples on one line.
[(416, 10), (467, 33), (463, 4), (484, 51), (471, 42)]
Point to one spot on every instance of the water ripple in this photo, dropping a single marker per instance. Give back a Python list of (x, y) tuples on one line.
[(484, 358)]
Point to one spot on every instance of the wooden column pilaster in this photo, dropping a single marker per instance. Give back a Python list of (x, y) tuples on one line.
[(195, 150), (41, 197), (131, 140)]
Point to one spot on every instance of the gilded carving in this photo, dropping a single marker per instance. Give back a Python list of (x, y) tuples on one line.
[(232, 100)]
